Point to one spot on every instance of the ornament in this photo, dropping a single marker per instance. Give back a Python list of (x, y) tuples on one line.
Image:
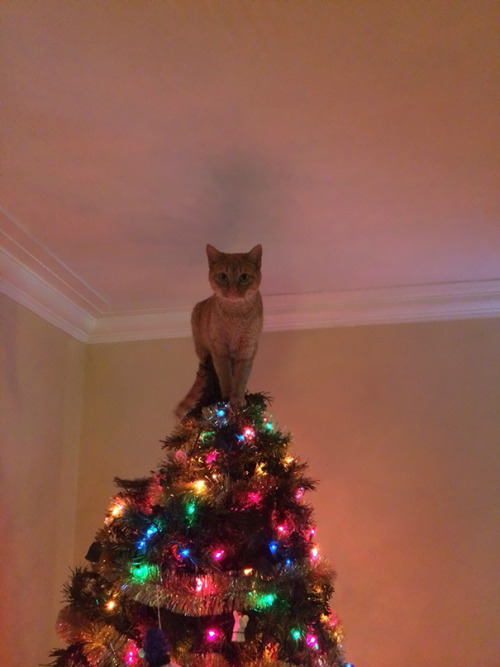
[(240, 624), (156, 649)]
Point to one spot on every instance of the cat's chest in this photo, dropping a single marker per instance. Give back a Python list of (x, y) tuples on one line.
[(235, 326)]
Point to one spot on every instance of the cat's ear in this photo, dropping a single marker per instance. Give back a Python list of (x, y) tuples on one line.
[(213, 254), (255, 255)]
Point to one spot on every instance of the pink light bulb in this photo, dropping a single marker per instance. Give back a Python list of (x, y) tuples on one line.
[(218, 554), (212, 634), (311, 640), (211, 456), (254, 497)]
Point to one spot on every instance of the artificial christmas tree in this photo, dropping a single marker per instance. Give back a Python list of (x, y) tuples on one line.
[(216, 548)]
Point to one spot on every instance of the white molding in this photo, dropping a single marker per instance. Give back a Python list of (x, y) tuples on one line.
[(29, 289), (442, 301), (120, 327), (421, 303)]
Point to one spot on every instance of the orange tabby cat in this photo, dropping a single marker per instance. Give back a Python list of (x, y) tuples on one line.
[(227, 325)]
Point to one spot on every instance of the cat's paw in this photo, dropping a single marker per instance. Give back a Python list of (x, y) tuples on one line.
[(237, 402)]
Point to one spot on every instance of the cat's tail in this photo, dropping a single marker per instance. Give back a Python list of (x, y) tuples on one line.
[(205, 389)]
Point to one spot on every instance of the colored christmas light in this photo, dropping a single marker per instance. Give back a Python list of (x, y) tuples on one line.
[(117, 509), (248, 434), (296, 634), (199, 486), (254, 497), (262, 600), (151, 530), (131, 653), (143, 572), (218, 554), (312, 641), (213, 634), (273, 547), (211, 456)]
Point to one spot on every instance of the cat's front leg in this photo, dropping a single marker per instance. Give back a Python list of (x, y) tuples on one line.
[(241, 373), (222, 364)]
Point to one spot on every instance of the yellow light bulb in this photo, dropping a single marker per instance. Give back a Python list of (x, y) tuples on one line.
[(199, 486), (117, 509), (248, 570), (110, 605)]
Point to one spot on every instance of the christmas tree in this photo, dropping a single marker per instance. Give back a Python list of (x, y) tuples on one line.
[(212, 557)]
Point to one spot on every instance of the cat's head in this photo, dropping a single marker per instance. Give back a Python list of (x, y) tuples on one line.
[(234, 276)]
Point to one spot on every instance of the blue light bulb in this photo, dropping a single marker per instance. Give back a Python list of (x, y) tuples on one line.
[(273, 547), (151, 531)]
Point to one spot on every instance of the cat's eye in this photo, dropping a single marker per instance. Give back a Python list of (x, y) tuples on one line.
[(244, 278), (222, 277)]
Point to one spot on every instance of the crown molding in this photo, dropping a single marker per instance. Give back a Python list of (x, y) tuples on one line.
[(23, 285), (442, 301)]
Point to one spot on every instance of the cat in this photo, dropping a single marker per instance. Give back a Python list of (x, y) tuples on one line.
[(226, 327)]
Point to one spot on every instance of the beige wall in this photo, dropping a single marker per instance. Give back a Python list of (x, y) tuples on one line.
[(401, 426), (41, 378)]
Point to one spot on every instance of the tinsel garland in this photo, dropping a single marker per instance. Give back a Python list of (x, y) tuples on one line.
[(101, 643), (217, 592)]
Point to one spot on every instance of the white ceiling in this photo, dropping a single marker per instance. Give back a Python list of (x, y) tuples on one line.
[(358, 141)]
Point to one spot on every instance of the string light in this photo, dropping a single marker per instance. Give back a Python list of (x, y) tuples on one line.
[(211, 456), (254, 497), (218, 554), (213, 634), (152, 530), (143, 572), (314, 553), (311, 641), (199, 486), (273, 547), (248, 434), (117, 509), (131, 653), (110, 605)]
